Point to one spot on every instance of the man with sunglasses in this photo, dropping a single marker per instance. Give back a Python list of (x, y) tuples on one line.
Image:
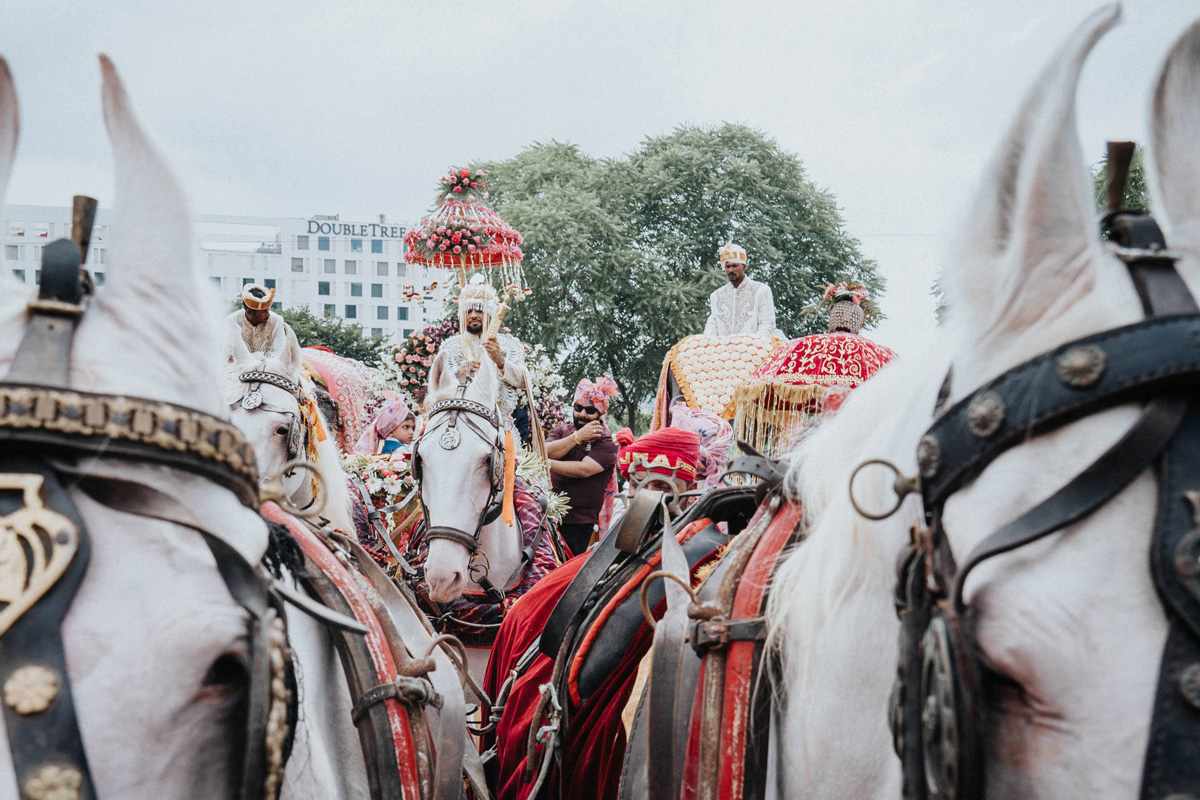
[(582, 455)]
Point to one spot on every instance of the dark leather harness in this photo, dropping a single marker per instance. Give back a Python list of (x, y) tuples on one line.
[(936, 714), (45, 541)]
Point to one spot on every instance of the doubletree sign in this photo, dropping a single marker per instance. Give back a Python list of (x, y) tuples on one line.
[(372, 230)]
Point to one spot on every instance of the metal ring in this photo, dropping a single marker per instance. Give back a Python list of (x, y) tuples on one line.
[(661, 573), (274, 490), (902, 486)]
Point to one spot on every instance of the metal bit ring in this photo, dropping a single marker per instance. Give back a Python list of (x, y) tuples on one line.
[(902, 486), (274, 490)]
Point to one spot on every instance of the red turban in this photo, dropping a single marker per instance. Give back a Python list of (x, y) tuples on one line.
[(667, 451)]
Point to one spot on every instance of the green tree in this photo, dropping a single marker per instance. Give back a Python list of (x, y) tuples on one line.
[(1137, 195), (622, 253), (346, 339)]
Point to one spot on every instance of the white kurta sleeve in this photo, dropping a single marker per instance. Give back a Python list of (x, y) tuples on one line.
[(710, 326), (765, 312), (514, 373)]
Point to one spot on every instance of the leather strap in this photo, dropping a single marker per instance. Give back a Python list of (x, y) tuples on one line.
[(638, 521), (567, 611), (44, 355), (49, 737), (1152, 356)]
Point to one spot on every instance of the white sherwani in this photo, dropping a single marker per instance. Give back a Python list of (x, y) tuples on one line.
[(463, 348), (273, 339), (749, 308)]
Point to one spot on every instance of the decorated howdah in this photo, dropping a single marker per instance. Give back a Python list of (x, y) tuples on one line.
[(707, 370)]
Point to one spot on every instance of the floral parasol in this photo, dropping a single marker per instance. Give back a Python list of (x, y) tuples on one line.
[(464, 233), (789, 389)]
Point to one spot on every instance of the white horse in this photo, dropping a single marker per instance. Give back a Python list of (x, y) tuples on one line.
[(456, 483), (279, 418), (152, 634), (1070, 629)]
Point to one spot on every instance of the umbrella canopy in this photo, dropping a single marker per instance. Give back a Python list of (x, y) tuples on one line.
[(792, 388), (464, 233)]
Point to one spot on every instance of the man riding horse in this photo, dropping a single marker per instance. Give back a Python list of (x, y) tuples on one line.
[(254, 330)]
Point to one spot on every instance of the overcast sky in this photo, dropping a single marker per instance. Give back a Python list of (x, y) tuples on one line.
[(298, 108)]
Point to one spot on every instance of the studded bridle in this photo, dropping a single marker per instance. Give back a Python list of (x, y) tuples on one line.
[(252, 400), (44, 429), (936, 706)]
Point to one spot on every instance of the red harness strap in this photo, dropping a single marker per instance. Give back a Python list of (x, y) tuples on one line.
[(377, 645), (730, 723)]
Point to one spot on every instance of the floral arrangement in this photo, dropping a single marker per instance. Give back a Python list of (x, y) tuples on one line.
[(846, 292), (546, 386), (457, 237), (405, 367), (461, 184), (386, 480)]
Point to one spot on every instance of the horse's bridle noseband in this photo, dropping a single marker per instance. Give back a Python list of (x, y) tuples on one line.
[(43, 426), (936, 711), (252, 400)]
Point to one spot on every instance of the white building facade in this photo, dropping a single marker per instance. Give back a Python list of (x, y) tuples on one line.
[(347, 269)]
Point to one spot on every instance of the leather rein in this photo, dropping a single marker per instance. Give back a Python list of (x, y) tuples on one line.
[(936, 710)]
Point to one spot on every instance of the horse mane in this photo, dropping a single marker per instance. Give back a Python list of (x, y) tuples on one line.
[(843, 553)]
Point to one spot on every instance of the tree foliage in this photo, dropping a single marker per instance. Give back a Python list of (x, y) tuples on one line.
[(1137, 194), (622, 253), (346, 339)]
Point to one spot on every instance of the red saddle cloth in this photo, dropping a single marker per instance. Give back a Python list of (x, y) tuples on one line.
[(593, 746)]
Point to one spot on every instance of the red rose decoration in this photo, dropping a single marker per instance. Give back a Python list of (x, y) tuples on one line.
[(466, 173), (457, 249), (458, 190)]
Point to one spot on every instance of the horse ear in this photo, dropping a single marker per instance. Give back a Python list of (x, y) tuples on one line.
[(10, 123), (1174, 153), (154, 303), (1031, 238)]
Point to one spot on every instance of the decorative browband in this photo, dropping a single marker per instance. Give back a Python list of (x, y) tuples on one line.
[(101, 424), (258, 376), (470, 406)]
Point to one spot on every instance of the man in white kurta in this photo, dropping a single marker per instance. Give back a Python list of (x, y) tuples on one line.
[(254, 332), (743, 305), (459, 354)]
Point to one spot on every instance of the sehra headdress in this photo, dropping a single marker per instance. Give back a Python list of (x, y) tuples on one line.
[(478, 295), (733, 253), (257, 298)]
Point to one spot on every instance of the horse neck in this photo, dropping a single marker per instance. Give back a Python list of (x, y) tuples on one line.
[(333, 484)]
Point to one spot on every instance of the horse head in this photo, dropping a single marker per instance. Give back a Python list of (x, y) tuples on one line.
[(458, 458), (156, 647), (1067, 632)]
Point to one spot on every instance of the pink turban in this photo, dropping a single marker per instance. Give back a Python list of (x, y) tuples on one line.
[(391, 414), (596, 394), (716, 436)]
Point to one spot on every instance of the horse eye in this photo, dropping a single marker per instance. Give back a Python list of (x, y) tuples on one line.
[(281, 430), (228, 671)]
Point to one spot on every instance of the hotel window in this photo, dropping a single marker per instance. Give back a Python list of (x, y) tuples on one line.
[(101, 255), (351, 267), (377, 245), (356, 290), (402, 313), (99, 278), (377, 331), (376, 290), (351, 312), (246, 281), (100, 233), (330, 267), (356, 245), (269, 283), (16, 229), (19, 274), (381, 268), (407, 332), (41, 230), (323, 288), (381, 312), (216, 282), (37, 253), (402, 270), (12, 252), (322, 242), (297, 265), (301, 242), (330, 310), (277, 306)]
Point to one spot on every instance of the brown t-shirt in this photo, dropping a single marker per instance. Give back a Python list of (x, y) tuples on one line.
[(585, 494)]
